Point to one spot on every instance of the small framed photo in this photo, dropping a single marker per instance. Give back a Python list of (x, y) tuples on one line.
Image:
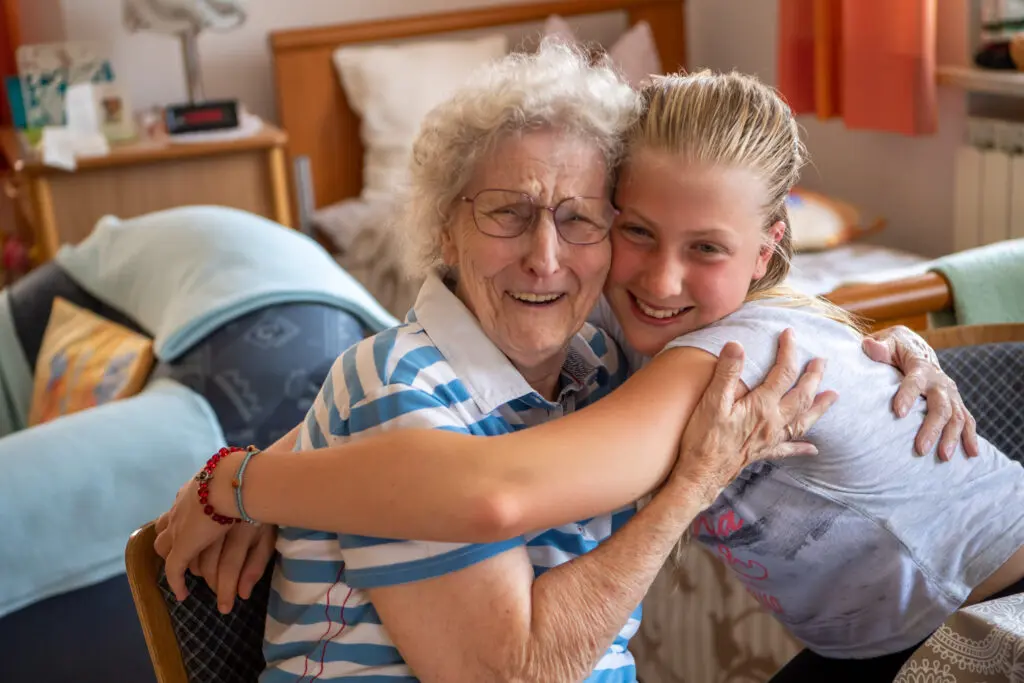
[(114, 112)]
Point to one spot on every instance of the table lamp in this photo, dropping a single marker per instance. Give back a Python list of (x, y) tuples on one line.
[(186, 19)]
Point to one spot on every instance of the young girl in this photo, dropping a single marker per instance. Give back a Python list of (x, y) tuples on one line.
[(860, 548), (861, 553)]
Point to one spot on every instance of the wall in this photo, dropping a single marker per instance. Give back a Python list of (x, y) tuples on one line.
[(907, 180), (42, 21), (234, 64)]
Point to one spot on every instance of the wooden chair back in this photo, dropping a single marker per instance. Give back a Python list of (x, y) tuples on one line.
[(144, 568)]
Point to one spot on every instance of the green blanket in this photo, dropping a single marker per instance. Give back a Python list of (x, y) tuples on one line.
[(987, 283)]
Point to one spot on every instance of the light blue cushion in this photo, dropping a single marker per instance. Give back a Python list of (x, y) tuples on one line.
[(72, 490), (15, 374), (184, 272)]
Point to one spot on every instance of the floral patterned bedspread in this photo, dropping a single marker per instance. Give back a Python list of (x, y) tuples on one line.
[(979, 644)]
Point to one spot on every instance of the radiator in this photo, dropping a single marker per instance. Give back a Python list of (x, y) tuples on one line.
[(989, 194)]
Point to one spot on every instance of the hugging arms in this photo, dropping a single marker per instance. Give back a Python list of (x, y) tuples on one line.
[(567, 534), (446, 486)]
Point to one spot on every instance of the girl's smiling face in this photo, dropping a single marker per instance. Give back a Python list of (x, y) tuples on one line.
[(688, 242)]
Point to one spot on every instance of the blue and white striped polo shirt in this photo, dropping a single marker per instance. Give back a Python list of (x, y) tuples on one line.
[(439, 370)]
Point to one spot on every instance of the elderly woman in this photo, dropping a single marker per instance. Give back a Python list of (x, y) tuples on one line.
[(511, 191)]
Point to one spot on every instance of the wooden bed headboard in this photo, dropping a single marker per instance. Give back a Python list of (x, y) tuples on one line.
[(323, 128), (312, 106)]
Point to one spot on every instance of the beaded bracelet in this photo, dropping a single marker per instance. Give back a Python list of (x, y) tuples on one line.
[(236, 483), (205, 476)]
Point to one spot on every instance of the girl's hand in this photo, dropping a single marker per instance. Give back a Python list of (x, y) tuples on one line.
[(947, 415), (726, 433), (240, 562), (183, 534)]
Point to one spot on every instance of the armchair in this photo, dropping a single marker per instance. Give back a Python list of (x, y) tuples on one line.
[(247, 318)]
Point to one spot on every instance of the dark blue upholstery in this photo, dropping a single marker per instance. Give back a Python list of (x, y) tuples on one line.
[(91, 635), (260, 373)]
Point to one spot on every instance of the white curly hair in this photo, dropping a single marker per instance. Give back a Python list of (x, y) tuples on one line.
[(556, 87)]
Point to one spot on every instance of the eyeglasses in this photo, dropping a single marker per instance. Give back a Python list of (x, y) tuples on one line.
[(508, 213)]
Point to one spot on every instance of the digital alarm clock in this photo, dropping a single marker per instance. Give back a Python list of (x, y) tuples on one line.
[(203, 116)]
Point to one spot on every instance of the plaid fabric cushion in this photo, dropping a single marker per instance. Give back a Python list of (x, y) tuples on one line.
[(991, 381), (215, 647)]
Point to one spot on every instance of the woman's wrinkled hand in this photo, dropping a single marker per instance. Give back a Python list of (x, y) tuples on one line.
[(726, 434), (947, 420)]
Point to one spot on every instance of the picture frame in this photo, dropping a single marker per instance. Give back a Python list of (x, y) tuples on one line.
[(114, 112), (100, 110), (46, 70)]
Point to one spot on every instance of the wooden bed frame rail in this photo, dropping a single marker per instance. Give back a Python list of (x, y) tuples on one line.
[(908, 302)]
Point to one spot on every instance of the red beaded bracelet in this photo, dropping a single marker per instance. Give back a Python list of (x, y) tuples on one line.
[(205, 476)]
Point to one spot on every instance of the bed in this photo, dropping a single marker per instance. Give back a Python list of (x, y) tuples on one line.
[(699, 626)]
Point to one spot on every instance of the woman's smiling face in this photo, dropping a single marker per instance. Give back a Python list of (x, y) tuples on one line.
[(533, 292), (685, 247)]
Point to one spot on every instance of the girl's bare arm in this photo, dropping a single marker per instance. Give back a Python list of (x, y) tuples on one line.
[(446, 486), (438, 485)]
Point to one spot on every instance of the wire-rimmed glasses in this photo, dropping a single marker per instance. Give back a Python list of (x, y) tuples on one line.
[(509, 213)]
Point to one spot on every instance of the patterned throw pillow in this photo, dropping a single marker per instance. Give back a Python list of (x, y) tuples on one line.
[(86, 360)]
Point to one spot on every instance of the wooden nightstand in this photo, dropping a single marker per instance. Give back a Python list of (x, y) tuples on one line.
[(150, 175)]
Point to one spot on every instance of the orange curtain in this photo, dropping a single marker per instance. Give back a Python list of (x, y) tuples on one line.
[(870, 62)]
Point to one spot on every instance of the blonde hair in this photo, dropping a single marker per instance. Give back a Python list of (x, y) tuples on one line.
[(734, 120), (556, 87)]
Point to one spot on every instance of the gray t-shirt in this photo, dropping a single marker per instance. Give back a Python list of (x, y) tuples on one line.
[(864, 549)]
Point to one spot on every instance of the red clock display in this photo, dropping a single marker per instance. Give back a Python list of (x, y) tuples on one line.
[(198, 117)]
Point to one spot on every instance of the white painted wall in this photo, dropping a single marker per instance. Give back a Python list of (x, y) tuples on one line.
[(237, 63), (907, 180), (42, 21)]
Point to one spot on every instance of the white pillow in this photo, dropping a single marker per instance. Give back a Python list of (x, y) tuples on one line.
[(819, 222), (557, 27), (392, 87), (635, 53)]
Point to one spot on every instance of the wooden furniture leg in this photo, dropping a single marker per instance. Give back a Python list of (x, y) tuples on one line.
[(279, 187), (46, 237)]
